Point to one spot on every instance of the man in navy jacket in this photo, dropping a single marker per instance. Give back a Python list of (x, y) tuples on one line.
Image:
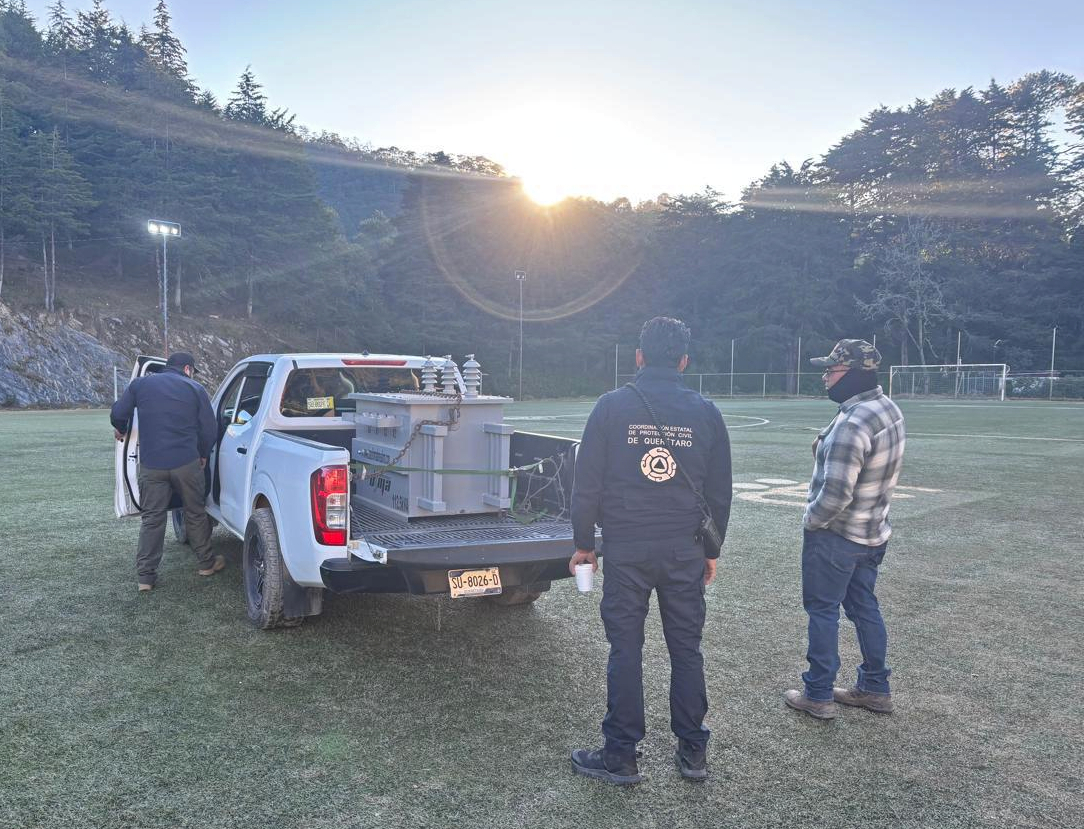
[(176, 432), (628, 482)]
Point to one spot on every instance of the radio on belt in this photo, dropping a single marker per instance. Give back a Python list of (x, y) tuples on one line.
[(476, 440)]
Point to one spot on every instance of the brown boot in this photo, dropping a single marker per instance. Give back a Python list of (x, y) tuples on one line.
[(821, 709), (219, 564), (878, 703)]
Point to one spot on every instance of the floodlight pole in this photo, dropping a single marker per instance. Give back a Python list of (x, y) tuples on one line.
[(521, 277), (798, 384), (1053, 346), (165, 296), (732, 368), (164, 229)]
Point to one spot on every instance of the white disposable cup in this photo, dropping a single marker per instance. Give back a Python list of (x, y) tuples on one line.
[(585, 577)]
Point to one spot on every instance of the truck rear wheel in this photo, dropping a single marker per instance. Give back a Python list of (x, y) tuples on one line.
[(180, 530), (176, 517), (523, 594), (265, 573)]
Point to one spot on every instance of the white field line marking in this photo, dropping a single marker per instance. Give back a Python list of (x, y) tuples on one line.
[(545, 417), (1037, 406), (760, 421), (998, 437)]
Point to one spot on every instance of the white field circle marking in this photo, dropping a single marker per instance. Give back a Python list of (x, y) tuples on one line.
[(760, 421)]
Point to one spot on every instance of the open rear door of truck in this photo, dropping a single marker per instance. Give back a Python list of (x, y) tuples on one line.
[(126, 461)]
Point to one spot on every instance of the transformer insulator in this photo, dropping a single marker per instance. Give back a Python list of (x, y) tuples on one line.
[(447, 375), (429, 375), (472, 377)]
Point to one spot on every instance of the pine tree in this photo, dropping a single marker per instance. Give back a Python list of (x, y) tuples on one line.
[(95, 41), (64, 197), (206, 99), (248, 104), (163, 47), (13, 165), (61, 37), (19, 38)]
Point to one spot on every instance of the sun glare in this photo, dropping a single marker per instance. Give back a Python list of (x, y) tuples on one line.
[(562, 149), (544, 192)]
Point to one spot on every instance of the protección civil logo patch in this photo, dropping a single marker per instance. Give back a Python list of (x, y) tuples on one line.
[(658, 465)]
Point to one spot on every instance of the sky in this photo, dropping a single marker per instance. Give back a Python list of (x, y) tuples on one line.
[(608, 99)]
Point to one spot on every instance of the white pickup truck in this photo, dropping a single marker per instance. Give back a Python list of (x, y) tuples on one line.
[(280, 478)]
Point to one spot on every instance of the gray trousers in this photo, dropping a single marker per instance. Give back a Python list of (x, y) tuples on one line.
[(156, 488)]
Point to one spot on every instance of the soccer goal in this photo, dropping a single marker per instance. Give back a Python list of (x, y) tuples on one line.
[(970, 380)]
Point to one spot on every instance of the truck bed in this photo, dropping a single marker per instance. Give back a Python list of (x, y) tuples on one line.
[(416, 556), (466, 540)]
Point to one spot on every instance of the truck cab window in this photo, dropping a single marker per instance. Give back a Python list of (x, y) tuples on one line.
[(227, 407), (249, 401), (319, 392)]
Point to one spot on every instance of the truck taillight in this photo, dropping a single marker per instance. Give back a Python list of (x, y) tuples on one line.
[(330, 491)]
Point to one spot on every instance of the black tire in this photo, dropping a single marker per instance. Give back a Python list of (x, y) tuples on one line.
[(265, 573), (180, 532), (515, 596)]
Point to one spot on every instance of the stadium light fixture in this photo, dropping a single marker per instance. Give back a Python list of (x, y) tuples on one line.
[(167, 230)]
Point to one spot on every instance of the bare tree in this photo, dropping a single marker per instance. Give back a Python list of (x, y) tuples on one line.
[(910, 296)]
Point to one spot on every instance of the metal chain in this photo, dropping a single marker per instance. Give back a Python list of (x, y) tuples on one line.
[(453, 416)]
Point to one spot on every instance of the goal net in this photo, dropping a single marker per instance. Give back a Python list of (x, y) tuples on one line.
[(968, 380)]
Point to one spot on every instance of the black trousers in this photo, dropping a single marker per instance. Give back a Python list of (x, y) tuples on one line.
[(676, 574)]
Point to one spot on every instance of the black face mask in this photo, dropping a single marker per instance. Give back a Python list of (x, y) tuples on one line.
[(853, 382)]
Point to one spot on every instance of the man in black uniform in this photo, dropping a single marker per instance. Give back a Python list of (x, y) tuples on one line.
[(628, 482), (176, 432)]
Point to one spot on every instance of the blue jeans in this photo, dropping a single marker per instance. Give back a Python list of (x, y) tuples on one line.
[(835, 571)]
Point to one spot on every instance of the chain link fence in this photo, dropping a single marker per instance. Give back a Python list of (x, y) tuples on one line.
[(1062, 385)]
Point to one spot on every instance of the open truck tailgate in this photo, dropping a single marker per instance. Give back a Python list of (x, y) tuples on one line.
[(461, 541)]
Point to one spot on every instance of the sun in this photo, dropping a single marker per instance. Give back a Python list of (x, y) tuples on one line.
[(567, 149), (544, 191)]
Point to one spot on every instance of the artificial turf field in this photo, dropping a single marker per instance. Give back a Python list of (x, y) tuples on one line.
[(168, 710)]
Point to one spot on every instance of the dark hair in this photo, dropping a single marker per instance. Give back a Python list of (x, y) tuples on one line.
[(664, 341)]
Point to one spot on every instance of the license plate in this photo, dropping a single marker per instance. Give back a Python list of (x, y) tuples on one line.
[(464, 583)]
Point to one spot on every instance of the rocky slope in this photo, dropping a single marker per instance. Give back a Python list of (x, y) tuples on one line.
[(67, 359)]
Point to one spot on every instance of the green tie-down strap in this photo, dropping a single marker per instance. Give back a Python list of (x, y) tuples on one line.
[(511, 473)]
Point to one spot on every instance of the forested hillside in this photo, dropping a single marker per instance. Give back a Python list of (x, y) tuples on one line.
[(959, 213)]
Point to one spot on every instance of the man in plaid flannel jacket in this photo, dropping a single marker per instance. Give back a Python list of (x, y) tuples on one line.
[(857, 463)]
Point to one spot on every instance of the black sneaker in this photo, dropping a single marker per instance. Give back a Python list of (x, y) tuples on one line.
[(592, 764), (692, 761)]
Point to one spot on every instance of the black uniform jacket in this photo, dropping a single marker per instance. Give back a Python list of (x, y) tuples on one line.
[(176, 423), (627, 480)]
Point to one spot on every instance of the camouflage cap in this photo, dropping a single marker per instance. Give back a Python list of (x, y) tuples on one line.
[(851, 353)]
